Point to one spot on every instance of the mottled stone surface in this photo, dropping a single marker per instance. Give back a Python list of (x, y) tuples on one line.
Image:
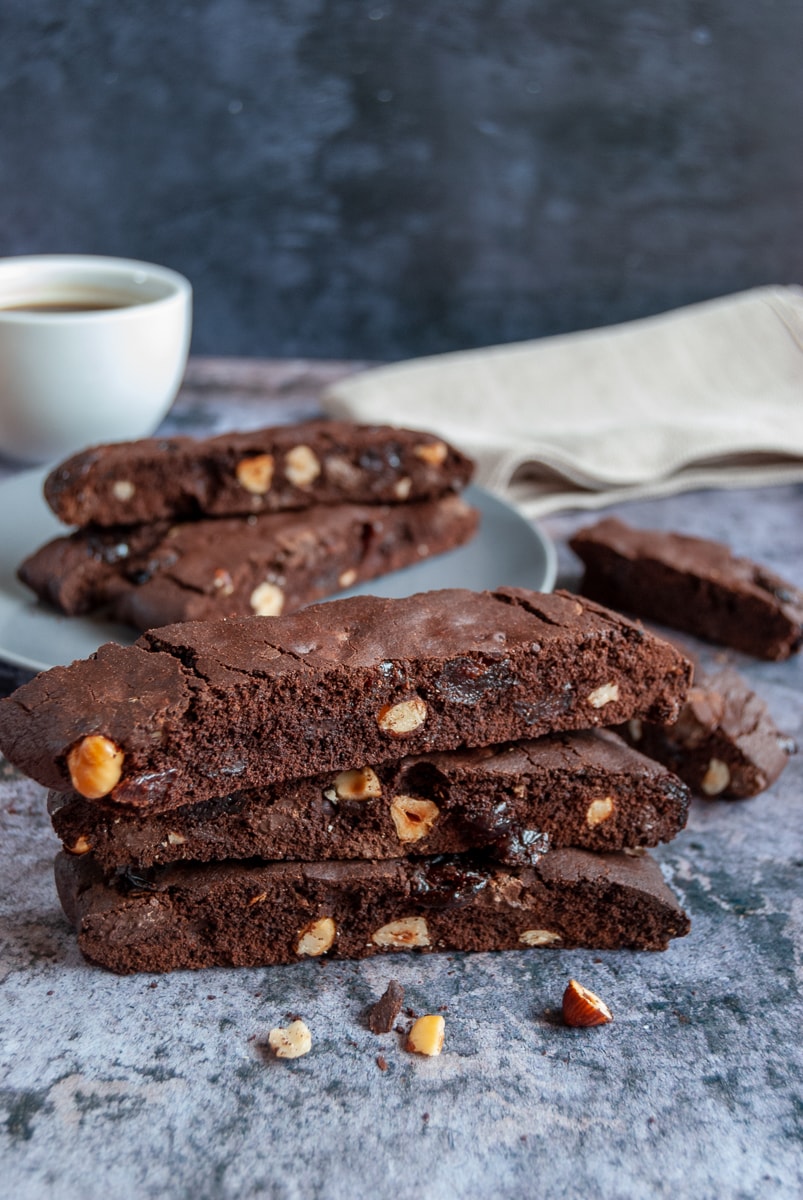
[(386, 178), (154, 1086)]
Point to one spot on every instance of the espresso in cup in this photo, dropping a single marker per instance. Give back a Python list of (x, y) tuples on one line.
[(91, 350), (66, 306)]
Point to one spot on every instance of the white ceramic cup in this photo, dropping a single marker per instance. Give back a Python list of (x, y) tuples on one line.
[(106, 368)]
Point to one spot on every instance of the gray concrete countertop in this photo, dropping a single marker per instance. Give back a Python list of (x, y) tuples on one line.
[(158, 1086)]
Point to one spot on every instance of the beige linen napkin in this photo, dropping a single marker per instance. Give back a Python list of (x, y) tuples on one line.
[(705, 396)]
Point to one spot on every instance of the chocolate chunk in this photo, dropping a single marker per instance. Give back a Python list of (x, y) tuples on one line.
[(725, 743), (583, 789), (267, 470), (199, 916), (159, 574), (691, 584), (387, 1008), (198, 708)]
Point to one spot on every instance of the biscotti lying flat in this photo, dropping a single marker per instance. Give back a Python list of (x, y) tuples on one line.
[(163, 573), (193, 710), (691, 584), (725, 743), (588, 790), (266, 470), (251, 914)]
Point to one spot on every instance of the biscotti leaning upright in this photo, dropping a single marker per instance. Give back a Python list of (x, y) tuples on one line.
[(191, 711)]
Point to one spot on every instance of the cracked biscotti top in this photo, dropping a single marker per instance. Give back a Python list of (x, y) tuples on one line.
[(191, 711), (264, 470), (693, 584)]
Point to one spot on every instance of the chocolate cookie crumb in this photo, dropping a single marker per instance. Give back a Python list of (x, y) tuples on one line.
[(387, 1008)]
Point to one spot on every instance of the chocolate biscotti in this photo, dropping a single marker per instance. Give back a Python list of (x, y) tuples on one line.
[(266, 470), (163, 573), (191, 711), (691, 584), (251, 914), (585, 789), (725, 742)]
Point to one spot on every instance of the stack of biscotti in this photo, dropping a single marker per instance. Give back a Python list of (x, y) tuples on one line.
[(177, 529), (360, 777)]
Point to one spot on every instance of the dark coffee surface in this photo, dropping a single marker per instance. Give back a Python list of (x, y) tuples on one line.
[(196, 708), (693, 584), (77, 307)]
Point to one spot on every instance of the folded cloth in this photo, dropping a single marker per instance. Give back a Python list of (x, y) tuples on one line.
[(705, 396)]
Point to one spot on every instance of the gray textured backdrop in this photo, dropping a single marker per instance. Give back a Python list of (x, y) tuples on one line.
[(376, 179)]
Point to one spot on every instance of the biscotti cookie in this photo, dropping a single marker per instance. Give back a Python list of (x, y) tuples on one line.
[(691, 584), (266, 470), (247, 914), (192, 710), (725, 743), (584, 789), (159, 574)]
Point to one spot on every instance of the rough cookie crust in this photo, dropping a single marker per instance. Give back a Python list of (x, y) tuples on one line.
[(201, 707), (691, 584), (265, 470), (251, 914), (585, 789)]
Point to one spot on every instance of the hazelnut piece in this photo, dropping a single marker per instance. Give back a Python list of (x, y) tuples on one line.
[(402, 718), (342, 472), (582, 1009), (123, 489), (176, 839), (222, 581), (255, 474), (81, 845), (716, 778), (316, 937), (426, 1035), (413, 818), (360, 784), (347, 578), (599, 811), (606, 694), (290, 1041), (403, 934), (95, 765), (432, 453), (636, 729), (539, 937), (267, 600), (402, 488), (301, 466)]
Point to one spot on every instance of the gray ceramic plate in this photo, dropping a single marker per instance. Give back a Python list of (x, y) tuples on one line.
[(506, 551)]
